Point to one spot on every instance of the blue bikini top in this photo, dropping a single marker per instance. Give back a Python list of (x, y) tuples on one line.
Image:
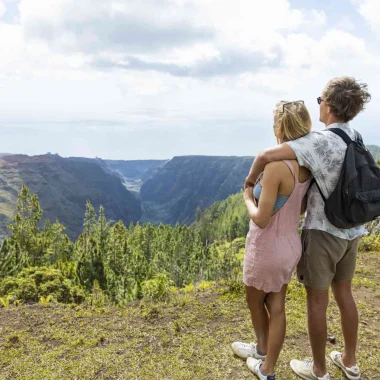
[(280, 201)]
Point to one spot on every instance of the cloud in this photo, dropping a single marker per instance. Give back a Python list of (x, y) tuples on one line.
[(3, 8), (94, 26), (103, 59), (226, 63), (218, 38), (370, 10)]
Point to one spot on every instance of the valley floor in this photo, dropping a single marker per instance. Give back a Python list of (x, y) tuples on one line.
[(188, 338)]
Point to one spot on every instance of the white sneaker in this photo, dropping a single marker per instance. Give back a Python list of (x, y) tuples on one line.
[(353, 373), (304, 369), (246, 350), (254, 366)]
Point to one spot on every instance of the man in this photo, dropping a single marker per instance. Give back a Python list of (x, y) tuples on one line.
[(329, 253)]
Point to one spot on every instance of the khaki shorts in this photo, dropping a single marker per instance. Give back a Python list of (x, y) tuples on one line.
[(326, 258)]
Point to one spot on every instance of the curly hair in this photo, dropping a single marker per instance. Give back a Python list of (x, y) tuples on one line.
[(346, 97)]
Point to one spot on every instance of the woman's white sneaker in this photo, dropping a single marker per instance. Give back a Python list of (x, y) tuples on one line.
[(304, 369), (246, 350), (254, 366), (352, 373)]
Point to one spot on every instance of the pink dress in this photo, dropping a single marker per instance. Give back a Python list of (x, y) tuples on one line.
[(272, 253)]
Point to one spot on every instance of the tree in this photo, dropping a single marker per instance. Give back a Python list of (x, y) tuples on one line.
[(12, 259), (89, 251), (25, 225)]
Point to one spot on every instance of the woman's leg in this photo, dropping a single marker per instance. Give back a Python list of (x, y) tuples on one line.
[(277, 328), (259, 316)]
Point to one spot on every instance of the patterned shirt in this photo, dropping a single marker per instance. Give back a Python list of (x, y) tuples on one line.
[(323, 154)]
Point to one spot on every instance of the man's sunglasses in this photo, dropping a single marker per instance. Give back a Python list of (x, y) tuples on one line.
[(295, 102), (319, 100)]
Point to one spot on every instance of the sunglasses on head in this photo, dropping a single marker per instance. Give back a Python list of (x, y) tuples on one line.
[(295, 102), (319, 100)]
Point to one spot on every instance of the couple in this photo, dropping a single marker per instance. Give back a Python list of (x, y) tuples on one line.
[(276, 192)]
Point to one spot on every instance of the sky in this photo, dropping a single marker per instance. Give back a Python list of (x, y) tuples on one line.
[(154, 79)]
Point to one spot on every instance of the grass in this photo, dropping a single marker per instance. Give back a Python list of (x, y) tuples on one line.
[(186, 338)]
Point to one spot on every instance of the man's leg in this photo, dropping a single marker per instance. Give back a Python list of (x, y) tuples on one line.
[(342, 290), (317, 269), (317, 302), (350, 320), (259, 316)]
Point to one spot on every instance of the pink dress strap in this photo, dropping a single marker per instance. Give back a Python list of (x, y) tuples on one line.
[(290, 166)]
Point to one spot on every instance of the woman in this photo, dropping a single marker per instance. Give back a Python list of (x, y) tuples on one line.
[(273, 246)]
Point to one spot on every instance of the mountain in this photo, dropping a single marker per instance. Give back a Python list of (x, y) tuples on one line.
[(375, 151), (63, 186), (135, 169), (223, 221), (185, 183), (135, 172), (155, 191)]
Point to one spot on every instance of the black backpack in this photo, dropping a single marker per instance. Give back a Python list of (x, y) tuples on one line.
[(356, 197)]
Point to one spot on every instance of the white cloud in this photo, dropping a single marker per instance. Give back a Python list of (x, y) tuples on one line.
[(2, 8), (188, 64), (370, 10), (184, 38)]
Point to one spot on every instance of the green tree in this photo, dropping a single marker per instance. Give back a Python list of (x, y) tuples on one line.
[(12, 259), (25, 226)]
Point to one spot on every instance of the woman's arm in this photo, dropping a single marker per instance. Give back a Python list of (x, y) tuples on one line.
[(261, 214), (278, 153)]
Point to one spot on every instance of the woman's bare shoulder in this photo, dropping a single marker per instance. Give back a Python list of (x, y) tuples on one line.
[(276, 168)]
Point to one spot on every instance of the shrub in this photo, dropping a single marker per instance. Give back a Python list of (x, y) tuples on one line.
[(158, 288), (45, 300), (373, 227), (235, 282), (5, 301), (35, 282), (19, 288), (204, 285), (97, 297), (370, 243), (188, 288)]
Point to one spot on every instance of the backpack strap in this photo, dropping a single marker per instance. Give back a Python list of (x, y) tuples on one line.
[(342, 134), (347, 139), (313, 181)]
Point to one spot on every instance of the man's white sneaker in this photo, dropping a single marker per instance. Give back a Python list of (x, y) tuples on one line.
[(254, 366), (352, 373), (246, 350), (304, 369)]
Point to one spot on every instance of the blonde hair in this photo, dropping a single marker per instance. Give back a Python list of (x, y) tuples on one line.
[(291, 120)]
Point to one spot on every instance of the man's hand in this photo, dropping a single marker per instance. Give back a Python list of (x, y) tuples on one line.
[(277, 153), (249, 182), (248, 194)]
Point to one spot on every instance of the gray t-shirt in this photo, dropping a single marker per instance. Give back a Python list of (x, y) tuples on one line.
[(323, 154)]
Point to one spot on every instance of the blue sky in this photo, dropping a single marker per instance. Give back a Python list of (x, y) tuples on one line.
[(132, 79)]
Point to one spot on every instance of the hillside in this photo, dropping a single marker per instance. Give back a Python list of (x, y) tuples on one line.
[(185, 339), (185, 183), (135, 172), (224, 220), (375, 150), (63, 186), (158, 191)]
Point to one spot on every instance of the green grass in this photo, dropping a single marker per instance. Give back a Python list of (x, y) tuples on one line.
[(186, 338)]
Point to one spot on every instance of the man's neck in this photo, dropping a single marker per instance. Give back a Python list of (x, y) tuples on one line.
[(333, 121)]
